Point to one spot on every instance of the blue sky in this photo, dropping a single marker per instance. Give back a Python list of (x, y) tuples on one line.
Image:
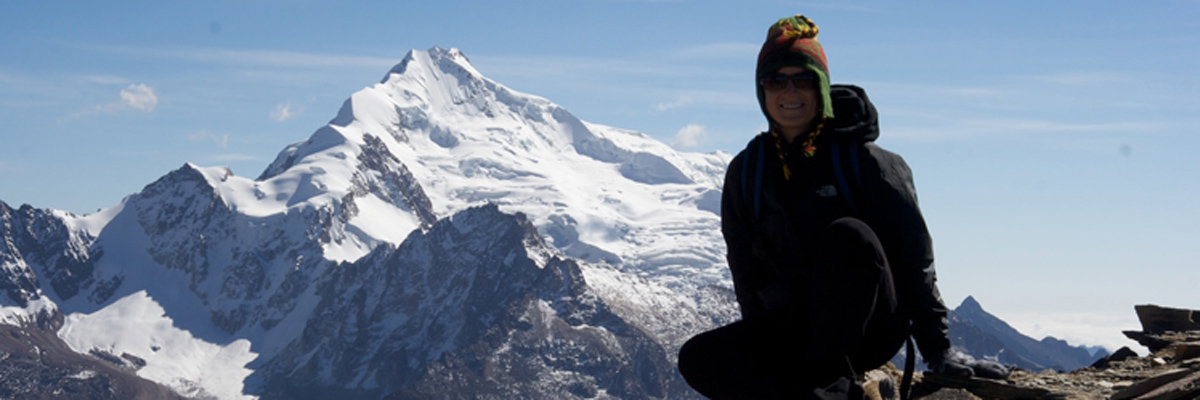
[(1052, 142)]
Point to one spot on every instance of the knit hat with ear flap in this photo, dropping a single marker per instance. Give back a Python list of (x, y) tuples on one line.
[(793, 41)]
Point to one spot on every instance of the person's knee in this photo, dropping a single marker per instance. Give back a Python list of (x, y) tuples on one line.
[(850, 241), (690, 355), (851, 229)]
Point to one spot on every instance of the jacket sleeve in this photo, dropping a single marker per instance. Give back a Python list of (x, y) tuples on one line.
[(747, 270), (901, 229)]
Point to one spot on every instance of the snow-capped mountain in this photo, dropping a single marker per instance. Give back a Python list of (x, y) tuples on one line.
[(443, 234)]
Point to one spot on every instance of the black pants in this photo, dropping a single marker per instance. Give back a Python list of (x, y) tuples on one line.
[(845, 323)]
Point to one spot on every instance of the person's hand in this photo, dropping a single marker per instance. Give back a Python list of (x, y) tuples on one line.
[(950, 363), (990, 369), (954, 364)]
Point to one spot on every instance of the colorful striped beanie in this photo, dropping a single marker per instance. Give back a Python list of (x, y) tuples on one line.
[(793, 41)]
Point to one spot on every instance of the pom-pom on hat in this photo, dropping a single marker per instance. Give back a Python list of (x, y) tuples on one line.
[(792, 41)]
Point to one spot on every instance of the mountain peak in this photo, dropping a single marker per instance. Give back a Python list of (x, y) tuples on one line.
[(436, 58), (969, 304)]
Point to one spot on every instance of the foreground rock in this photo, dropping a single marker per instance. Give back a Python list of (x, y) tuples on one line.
[(1171, 371)]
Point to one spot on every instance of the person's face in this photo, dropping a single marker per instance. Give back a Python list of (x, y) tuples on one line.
[(792, 103)]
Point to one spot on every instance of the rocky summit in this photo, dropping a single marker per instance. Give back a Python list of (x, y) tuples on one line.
[(1170, 371)]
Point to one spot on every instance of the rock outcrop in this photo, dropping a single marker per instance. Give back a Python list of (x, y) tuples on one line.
[(1171, 371)]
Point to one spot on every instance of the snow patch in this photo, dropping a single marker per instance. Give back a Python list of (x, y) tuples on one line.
[(136, 325), (18, 316)]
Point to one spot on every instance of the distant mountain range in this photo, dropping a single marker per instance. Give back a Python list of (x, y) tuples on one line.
[(981, 335)]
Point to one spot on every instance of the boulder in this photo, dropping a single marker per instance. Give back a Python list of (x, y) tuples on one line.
[(1175, 384), (1156, 319), (1123, 354)]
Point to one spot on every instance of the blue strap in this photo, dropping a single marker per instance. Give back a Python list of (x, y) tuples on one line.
[(758, 179), (909, 364), (841, 176), (854, 166), (754, 151), (746, 169)]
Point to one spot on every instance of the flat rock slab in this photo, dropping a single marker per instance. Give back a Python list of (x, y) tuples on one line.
[(1156, 319)]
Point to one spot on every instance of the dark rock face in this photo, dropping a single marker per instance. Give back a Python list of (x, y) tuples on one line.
[(32, 238), (474, 308), (381, 173)]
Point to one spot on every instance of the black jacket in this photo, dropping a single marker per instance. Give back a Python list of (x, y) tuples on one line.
[(768, 221)]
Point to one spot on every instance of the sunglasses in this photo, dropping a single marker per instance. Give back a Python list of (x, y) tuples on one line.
[(778, 82)]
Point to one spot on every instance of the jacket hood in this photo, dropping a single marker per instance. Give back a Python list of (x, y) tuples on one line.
[(855, 119)]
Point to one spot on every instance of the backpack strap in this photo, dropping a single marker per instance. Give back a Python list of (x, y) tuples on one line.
[(752, 166), (855, 167), (752, 169), (910, 361)]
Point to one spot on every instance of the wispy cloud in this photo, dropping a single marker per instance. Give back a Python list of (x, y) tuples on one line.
[(706, 98), (284, 112), (927, 125), (233, 157), (911, 90), (568, 66), (135, 97), (670, 105), (103, 79), (691, 135), (221, 140), (729, 50), (1086, 78), (272, 58)]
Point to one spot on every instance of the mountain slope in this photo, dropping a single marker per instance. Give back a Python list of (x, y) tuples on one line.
[(442, 231)]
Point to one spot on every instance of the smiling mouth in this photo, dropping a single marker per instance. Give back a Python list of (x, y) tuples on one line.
[(791, 106)]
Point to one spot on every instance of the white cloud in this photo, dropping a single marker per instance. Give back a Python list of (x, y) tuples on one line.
[(1090, 329), (284, 112), (677, 103), (204, 136), (135, 97), (691, 135), (139, 97)]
